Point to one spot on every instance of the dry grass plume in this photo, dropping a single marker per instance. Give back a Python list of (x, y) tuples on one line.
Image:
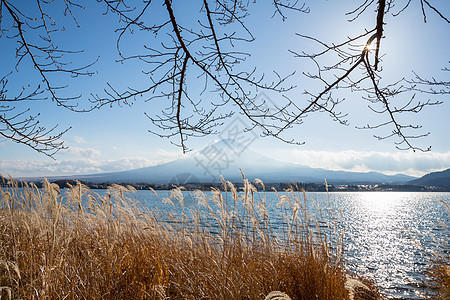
[(76, 244)]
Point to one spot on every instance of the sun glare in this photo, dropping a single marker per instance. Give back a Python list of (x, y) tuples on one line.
[(381, 201), (370, 47)]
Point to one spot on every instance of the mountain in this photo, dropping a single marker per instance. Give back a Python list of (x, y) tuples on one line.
[(441, 178), (226, 158)]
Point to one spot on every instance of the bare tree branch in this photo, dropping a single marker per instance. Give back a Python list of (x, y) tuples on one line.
[(37, 51), (367, 80), (203, 53), (206, 51)]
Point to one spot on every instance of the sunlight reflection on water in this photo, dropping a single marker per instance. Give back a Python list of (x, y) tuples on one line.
[(384, 233), (382, 230)]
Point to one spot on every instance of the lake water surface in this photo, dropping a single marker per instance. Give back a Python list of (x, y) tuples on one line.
[(388, 236)]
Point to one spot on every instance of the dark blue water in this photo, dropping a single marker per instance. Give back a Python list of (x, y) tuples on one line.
[(388, 236)]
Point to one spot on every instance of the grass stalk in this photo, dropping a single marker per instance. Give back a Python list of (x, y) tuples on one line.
[(76, 244)]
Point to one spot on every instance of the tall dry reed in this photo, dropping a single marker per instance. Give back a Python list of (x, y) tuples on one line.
[(76, 244)]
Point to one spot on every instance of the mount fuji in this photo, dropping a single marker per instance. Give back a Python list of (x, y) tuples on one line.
[(227, 158)]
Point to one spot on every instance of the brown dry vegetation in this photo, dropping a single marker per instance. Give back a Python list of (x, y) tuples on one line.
[(79, 245), (439, 273)]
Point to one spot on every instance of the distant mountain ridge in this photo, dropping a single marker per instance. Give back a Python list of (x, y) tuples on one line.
[(226, 158), (441, 178)]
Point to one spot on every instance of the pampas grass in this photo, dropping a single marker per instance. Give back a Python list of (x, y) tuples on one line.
[(76, 244)]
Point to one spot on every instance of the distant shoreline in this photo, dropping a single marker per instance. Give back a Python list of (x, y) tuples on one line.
[(204, 186)]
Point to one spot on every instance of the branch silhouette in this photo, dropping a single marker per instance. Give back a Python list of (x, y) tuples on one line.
[(368, 81), (33, 32), (197, 67)]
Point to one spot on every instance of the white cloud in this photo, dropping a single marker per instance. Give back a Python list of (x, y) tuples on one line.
[(126, 164), (166, 156), (410, 163), (79, 166), (87, 161), (83, 161), (82, 152), (79, 140)]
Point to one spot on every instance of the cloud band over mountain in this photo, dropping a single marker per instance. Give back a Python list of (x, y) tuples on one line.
[(89, 162)]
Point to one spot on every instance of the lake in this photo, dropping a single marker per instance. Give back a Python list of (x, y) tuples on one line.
[(387, 235)]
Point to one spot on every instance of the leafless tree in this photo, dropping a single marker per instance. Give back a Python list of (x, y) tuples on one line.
[(205, 52), (179, 54), (36, 51), (353, 70)]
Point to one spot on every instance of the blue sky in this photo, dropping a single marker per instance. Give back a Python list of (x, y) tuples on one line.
[(113, 139)]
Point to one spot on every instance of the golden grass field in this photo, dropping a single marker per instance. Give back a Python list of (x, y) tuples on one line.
[(85, 246)]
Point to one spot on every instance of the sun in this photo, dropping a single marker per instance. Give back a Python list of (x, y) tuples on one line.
[(370, 47)]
